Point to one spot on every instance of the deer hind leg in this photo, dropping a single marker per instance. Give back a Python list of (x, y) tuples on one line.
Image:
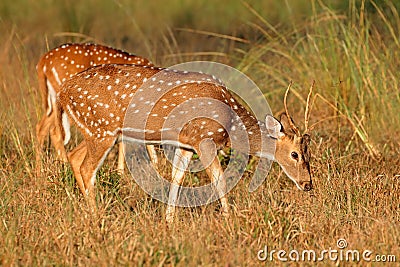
[(97, 151), (216, 175), (41, 126), (76, 157), (180, 163), (59, 136), (42, 129), (58, 127), (214, 170), (121, 158)]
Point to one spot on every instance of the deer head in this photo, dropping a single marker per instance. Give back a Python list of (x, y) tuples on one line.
[(292, 148)]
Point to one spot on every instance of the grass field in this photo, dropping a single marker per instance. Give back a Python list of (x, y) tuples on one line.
[(351, 50)]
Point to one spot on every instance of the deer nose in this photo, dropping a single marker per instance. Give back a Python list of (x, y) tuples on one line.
[(307, 186)]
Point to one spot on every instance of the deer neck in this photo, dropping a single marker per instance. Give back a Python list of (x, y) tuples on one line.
[(260, 143)]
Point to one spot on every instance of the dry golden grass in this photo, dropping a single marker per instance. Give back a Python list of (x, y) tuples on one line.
[(45, 220)]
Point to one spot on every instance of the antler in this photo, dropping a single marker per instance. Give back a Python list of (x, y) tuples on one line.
[(308, 108), (294, 128)]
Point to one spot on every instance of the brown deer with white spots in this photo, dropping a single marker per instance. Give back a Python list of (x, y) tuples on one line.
[(195, 114), (54, 68)]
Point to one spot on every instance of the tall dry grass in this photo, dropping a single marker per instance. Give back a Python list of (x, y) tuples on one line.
[(351, 56), (351, 53)]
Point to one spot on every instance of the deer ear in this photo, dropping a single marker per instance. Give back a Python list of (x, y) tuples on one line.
[(274, 127), (284, 119)]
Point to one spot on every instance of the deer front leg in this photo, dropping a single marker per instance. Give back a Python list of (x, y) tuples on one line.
[(121, 156), (180, 163), (152, 154), (214, 171)]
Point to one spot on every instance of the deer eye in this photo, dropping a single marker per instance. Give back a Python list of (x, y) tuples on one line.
[(294, 155)]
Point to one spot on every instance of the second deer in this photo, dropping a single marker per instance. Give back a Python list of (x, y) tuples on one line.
[(58, 65)]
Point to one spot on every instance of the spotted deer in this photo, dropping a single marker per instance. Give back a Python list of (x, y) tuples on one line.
[(194, 114), (54, 68)]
